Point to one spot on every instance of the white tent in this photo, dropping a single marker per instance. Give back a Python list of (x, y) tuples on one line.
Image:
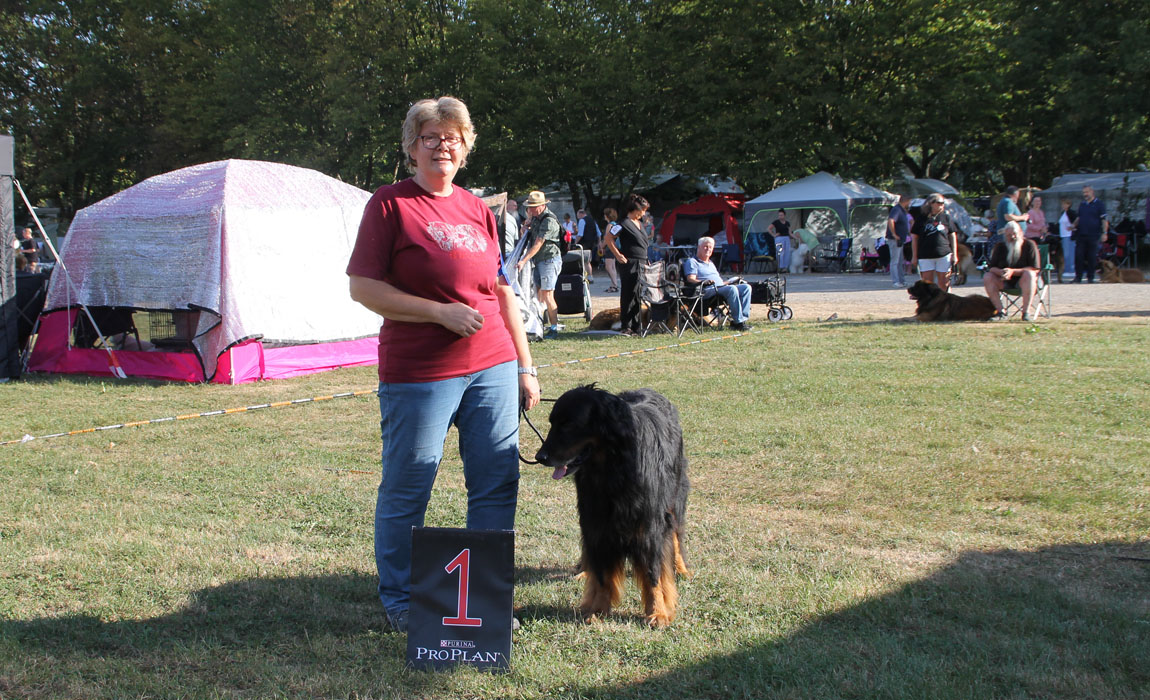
[(243, 260), (859, 209), (1124, 194)]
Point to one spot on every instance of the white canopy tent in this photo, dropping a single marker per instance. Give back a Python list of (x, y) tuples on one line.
[(856, 209), (1124, 194)]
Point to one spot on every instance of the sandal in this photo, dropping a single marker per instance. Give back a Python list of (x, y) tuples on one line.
[(611, 289)]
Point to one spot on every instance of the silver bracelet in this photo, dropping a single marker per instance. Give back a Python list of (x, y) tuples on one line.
[(529, 370)]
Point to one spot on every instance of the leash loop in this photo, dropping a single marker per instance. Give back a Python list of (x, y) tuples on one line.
[(523, 414)]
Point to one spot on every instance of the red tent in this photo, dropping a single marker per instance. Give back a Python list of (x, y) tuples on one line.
[(712, 215)]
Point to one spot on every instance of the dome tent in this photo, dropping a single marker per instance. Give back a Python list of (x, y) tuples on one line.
[(231, 271)]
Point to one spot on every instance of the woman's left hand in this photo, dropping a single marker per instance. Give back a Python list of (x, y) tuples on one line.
[(528, 391)]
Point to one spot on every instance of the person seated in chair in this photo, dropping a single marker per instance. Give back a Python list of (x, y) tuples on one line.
[(700, 270), (1013, 262)]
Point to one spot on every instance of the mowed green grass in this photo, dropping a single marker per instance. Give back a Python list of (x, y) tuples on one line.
[(878, 510)]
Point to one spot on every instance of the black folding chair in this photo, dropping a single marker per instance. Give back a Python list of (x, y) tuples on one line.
[(1011, 297), (702, 310), (660, 297)]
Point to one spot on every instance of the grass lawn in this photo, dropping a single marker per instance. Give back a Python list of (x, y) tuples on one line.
[(878, 510)]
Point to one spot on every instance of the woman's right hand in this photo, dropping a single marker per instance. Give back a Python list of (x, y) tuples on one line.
[(622, 259), (460, 319)]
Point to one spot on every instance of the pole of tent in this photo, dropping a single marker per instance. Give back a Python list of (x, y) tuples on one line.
[(113, 361)]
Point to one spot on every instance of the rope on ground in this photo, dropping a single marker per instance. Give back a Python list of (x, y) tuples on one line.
[(187, 416), (364, 392)]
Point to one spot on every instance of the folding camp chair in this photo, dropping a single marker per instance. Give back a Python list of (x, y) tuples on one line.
[(840, 259), (699, 311), (1116, 249), (660, 297), (1011, 297), (761, 264), (732, 258)]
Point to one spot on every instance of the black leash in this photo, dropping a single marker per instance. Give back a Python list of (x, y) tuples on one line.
[(523, 413)]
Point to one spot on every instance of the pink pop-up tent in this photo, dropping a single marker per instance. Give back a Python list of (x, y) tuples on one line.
[(227, 272)]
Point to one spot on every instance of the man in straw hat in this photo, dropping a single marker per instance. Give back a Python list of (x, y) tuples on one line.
[(545, 253)]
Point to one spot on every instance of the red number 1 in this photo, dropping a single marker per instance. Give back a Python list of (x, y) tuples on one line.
[(462, 561)]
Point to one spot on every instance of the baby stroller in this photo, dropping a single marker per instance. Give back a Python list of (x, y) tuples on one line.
[(773, 293), (572, 293)]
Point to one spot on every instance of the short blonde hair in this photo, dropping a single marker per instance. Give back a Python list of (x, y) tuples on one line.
[(442, 110)]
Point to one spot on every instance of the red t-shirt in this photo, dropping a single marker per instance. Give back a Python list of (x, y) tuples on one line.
[(440, 248)]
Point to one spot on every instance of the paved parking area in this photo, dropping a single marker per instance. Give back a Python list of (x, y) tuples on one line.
[(859, 296)]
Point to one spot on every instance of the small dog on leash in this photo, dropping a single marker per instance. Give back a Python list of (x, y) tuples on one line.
[(625, 454)]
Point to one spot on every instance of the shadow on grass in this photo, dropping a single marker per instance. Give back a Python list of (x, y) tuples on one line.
[(251, 613), (1067, 621)]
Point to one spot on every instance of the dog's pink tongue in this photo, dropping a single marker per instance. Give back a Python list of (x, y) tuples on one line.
[(560, 472)]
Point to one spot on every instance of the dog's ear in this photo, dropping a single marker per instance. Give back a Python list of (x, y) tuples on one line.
[(614, 419)]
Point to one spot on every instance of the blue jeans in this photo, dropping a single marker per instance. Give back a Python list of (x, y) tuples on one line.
[(414, 418), (897, 273), (1068, 256), (737, 296)]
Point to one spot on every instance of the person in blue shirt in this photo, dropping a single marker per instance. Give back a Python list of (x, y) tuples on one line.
[(700, 269), (1089, 231), (897, 234), (1008, 210)]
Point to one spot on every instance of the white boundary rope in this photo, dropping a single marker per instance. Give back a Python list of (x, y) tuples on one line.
[(363, 392)]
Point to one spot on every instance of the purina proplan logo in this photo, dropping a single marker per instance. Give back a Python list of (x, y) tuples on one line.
[(464, 654)]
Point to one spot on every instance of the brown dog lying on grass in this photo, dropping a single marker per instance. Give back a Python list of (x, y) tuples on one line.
[(937, 305), (1113, 274), (608, 320)]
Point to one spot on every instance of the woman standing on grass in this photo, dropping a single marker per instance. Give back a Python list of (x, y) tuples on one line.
[(610, 233), (452, 349), (629, 246), (934, 243)]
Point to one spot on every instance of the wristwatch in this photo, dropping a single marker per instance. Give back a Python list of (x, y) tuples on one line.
[(529, 370)]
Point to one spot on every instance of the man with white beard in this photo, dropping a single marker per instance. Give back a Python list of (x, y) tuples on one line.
[(1013, 262)]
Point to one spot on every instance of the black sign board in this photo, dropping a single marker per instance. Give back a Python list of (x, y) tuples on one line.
[(462, 586)]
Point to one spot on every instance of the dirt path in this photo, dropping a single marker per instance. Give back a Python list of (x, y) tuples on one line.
[(858, 296)]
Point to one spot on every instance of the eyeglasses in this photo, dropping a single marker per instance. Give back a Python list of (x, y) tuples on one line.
[(432, 142)]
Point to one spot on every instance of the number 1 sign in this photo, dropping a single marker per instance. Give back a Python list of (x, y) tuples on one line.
[(462, 585)]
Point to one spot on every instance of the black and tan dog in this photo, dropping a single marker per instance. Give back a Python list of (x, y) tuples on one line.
[(625, 454), (937, 305)]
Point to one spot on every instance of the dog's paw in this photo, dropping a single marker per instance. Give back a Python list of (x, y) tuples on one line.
[(593, 619), (658, 622), (592, 616)]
